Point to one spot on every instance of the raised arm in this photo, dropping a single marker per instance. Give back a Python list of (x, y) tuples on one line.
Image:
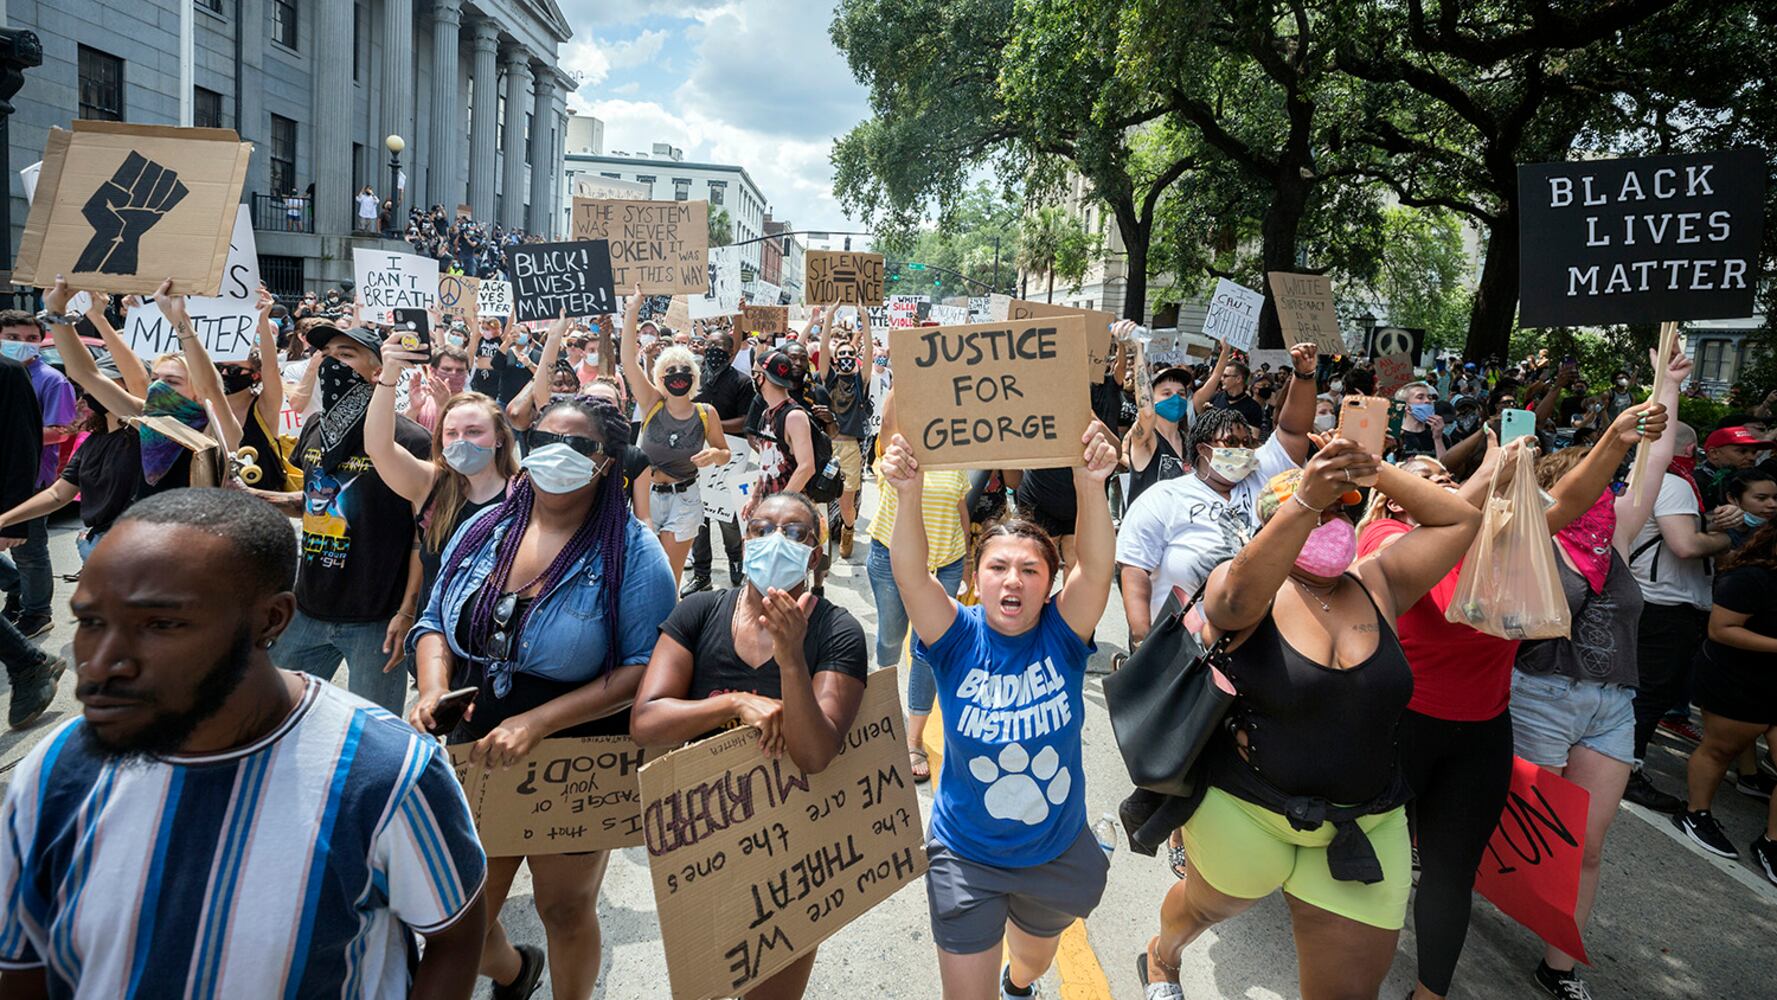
[(271, 385), (1213, 382), (1296, 419), (929, 607), (135, 374), (1088, 585), (80, 365), (1633, 511), (406, 474), (824, 363), (641, 385), (305, 389), (198, 366), (545, 376), (1420, 558), (1580, 488)]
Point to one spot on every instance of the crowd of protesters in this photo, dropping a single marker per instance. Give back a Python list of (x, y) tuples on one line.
[(518, 511)]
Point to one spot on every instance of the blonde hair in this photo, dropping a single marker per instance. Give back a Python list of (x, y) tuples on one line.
[(1377, 507), (450, 490), (677, 354)]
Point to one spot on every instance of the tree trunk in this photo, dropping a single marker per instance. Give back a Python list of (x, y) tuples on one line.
[(1496, 297), (1135, 279), (1051, 297), (1282, 222)]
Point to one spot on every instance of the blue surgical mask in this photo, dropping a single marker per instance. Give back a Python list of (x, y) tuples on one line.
[(557, 468), (468, 457), (456, 340), (1421, 411), (20, 351), (522, 339), (775, 561), (1171, 408), (1752, 520)]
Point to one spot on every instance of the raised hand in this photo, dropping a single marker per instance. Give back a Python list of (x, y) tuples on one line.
[(900, 470), (124, 208), (1100, 453)]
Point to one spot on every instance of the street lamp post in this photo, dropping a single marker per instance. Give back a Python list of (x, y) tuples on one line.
[(395, 145)]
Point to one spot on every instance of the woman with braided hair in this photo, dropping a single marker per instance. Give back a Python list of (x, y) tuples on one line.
[(550, 605)]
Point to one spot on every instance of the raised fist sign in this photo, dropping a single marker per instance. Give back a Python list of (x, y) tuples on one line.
[(123, 209)]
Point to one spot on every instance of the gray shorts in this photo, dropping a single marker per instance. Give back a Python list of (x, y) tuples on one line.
[(970, 903), (679, 513), (1552, 714)]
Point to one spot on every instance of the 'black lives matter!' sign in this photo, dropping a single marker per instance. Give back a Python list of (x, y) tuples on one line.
[(551, 279), (1644, 240)]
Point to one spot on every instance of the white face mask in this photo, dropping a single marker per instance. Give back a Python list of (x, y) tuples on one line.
[(1324, 421), (557, 468), (1233, 464)]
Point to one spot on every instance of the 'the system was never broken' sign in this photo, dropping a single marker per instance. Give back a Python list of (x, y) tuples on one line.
[(1643, 240)]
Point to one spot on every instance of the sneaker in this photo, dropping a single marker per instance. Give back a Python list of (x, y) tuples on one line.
[(32, 626), (1642, 791), (1764, 852), (32, 691), (697, 583), (1561, 985), (1682, 728), (1010, 992), (845, 542), (1705, 832), (1758, 785), (530, 973)]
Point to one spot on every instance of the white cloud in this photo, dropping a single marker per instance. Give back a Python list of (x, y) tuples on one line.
[(593, 60), (627, 88)]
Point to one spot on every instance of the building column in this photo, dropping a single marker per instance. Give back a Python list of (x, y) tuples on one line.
[(542, 167), (331, 137), (484, 119), (397, 84), (447, 17), (512, 182)]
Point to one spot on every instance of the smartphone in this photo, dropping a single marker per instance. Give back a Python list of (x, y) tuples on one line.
[(449, 713), (1514, 424), (1364, 419), (412, 326)]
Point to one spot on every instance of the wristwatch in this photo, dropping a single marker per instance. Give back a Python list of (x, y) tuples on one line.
[(52, 319)]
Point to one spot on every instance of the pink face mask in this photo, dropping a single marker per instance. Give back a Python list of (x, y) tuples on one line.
[(1329, 549)]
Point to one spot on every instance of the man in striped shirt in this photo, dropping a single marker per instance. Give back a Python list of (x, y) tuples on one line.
[(214, 826)]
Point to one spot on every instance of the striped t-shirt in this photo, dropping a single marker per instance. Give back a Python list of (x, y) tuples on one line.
[(940, 505), (297, 866)]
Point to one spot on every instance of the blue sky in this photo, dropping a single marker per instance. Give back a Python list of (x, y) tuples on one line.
[(752, 82)]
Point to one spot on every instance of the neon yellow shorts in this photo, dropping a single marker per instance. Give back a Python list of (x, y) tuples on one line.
[(1247, 851)]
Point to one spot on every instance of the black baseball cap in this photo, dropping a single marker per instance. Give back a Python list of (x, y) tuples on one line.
[(319, 334), (780, 369)]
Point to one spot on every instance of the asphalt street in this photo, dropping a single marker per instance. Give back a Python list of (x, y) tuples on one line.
[(1670, 921)]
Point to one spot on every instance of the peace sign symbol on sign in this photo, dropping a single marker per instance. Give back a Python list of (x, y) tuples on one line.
[(1393, 340)]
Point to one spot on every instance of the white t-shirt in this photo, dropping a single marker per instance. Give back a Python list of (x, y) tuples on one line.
[(1664, 577), (1180, 529), (367, 206)]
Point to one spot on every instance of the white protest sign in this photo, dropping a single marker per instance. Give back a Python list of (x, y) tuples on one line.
[(763, 293), (725, 487), (1233, 315), (224, 323), (723, 296), (949, 315), (28, 178), (388, 281), (493, 299)]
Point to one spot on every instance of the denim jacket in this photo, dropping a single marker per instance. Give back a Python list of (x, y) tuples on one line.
[(566, 636)]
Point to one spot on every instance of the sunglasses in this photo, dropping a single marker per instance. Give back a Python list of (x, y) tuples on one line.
[(499, 645), (584, 445), (795, 531)]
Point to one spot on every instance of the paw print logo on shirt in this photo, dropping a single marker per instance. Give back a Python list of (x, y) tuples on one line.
[(1013, 789)]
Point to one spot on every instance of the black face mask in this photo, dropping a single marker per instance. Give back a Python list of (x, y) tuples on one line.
[(677, 384), (235, 381), (845, 366), (715, 358)]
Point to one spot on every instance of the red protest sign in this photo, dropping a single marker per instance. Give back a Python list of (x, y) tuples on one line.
[(1392, 372), (1531, 870)]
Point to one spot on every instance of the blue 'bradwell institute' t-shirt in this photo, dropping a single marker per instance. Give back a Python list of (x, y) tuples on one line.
[(1012, 793)]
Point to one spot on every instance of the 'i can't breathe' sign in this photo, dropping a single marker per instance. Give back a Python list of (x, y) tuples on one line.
[(1643, 240)]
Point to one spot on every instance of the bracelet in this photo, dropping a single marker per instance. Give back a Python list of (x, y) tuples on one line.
[(387, 385), (1305, 506), (57, 319), (1298, 374)]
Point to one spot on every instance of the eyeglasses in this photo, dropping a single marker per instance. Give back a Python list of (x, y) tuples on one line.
[(795, 531), (584, 445), (499, 645)]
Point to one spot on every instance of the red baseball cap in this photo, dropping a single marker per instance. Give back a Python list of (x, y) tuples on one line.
[(1735, 435)]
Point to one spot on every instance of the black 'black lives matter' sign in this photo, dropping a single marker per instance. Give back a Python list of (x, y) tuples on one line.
[(572, 279), (1646, 240)]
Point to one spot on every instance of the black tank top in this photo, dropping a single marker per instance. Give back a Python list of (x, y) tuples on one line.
[(269, 459), (1165, 464), (1314, 730)]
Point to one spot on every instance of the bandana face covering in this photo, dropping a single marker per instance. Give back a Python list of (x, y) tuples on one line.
[(1233, 464), (159, 452), (345, 399), (1587, 540)]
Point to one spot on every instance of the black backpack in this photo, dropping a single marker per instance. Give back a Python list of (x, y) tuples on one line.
[(828, 482)]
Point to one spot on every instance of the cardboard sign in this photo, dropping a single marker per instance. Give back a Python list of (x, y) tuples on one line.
[(755, 862), (493, 299), (1640, 240), (904, 310), (1531, 870), (993, 395), (464, 211), (843, 278), (722, 297), (458, 295), (589, 186), (663, 246), (388, 281), (119, 208), (1305, 311), (678, 314), (576, 794), (1384, 340), (1098, 327), (1392, 372), (227, 324), (551, 278), (1233, 315), (725, 487), (766, 320)]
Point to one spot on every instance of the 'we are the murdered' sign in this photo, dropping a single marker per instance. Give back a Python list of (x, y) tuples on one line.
[(1643, 240)]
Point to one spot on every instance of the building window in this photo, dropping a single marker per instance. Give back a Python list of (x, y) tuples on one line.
[(607, 173), (358, 34), (529, 120), (283, 22), (681, 188), (101, 86), (206, 108), (1714, 361), (283, 155), (282, 275), (358, 176), (500, 123), (718, 189), (214, 6)]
